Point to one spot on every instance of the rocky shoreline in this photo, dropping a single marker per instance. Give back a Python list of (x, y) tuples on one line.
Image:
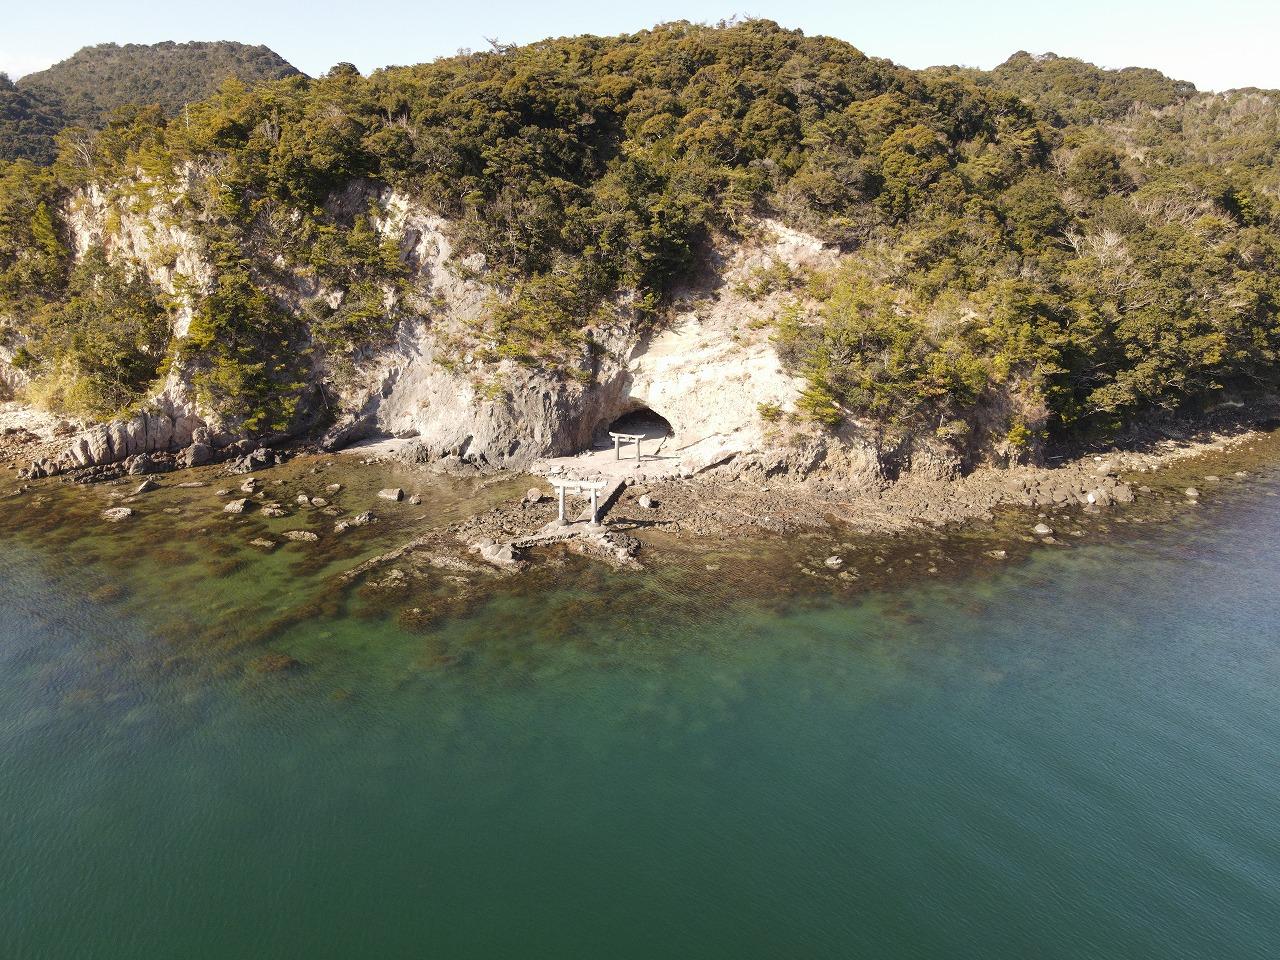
[(719, 505), (728, 504)]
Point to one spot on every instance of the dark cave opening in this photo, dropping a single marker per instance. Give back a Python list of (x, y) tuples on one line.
[(652, 426)]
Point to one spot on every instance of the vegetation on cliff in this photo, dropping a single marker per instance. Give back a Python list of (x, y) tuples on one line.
[(1043, 249)]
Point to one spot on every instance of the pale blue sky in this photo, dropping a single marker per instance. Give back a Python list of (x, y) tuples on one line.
[(1230, 43)]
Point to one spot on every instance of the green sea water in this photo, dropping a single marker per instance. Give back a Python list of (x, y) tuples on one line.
[(1073, 753)]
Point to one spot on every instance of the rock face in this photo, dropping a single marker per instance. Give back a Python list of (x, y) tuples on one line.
[(710, 374), (120, 439)]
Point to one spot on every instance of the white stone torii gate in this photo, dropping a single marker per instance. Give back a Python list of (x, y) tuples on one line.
[(621, 438), (592, 487)]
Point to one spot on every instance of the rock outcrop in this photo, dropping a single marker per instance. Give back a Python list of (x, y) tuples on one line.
[(711, 372)]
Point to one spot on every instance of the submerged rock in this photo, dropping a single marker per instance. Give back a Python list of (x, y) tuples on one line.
[(303, 535), (359, 520), (275, 663)]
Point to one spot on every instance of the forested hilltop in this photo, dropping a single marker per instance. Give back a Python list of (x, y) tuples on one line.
[(1048, 249), (84, 89)]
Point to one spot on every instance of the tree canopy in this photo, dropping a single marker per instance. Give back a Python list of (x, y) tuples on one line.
[(1044, 249)]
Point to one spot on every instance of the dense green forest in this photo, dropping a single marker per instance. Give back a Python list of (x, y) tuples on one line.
[(28, 124), (1047, 249), (84, 89)]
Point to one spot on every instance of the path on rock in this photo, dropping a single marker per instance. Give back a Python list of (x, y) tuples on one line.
[(614, 468)]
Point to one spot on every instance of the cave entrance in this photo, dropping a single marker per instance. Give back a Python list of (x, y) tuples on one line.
[(643, 422)]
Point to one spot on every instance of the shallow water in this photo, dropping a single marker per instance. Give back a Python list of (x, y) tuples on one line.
[(1074, 754)]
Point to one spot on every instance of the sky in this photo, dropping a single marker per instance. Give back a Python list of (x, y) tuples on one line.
[(1216, 46)]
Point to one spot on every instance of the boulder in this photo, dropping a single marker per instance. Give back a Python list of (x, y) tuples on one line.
[(392, 493), (197, 455), (141, 464), (146, 486), (334, 487), (499, 554), (834, 563), (116, 514), (301, 535), (236, 506), (1042, 530), (1192, 493), (249, 486), (262, 543), (415, 500), (534, 495), (647, 502), (302, 500), (259, 459)]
